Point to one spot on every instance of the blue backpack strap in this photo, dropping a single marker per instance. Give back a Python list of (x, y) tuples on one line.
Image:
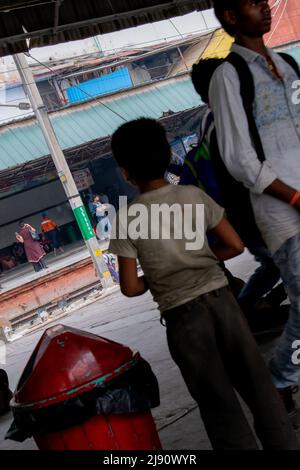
[(189, 174), (247, 90)]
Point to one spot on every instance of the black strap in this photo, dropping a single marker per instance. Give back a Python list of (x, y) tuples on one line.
[(247, 90), (203, 132), (291, 61)]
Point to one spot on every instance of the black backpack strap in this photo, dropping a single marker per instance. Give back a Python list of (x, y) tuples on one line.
[(247, 90), (291, 61)]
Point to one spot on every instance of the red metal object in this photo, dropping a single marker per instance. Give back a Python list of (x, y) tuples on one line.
[(134, 431), (68, 362), (285, 23)]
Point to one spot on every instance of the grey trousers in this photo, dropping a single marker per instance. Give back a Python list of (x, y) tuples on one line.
[(285, 371), (211, 343)]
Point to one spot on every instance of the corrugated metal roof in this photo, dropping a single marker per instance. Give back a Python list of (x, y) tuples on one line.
[(219, 45), (23, 141), (54, 21), (215, 44)]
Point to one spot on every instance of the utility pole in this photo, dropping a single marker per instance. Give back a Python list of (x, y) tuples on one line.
[(63, 169)]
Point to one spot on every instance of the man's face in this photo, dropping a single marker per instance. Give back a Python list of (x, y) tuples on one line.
[(253, 18)]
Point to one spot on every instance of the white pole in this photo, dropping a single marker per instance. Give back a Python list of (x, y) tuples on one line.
[(62, 168)]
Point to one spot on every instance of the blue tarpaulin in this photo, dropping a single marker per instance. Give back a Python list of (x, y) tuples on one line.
[(100, 86)]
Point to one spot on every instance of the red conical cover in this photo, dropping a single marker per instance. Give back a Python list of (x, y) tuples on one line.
[(67, 362)]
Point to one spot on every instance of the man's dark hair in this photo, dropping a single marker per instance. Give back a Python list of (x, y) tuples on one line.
[(141, 147), (201, 75), (220, 6)]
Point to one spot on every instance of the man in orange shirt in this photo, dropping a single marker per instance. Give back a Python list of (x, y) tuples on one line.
[(50, 231)]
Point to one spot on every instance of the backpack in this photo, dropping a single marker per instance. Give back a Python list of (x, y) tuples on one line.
[(5, 392), (204, 167)]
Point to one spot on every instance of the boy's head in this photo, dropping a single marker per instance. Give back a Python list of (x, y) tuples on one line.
[(201, 75), (142, 150), (250, 18)]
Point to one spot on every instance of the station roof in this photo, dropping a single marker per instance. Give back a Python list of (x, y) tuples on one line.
[(22, 141), (45, 22)]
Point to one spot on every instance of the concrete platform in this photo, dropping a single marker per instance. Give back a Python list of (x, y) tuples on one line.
[(135, 322), (24, 291), (24, 273)]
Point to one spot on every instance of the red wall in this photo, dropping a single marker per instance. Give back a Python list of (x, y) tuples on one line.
[(286, 23)]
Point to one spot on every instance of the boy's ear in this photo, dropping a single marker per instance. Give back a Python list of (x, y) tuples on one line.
[(230, 17), (125, 173), (127, 176)]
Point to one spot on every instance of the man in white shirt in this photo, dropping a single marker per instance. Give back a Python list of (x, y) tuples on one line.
[(275, 183)]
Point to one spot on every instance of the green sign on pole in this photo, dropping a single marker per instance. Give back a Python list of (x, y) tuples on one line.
[(84, 223)]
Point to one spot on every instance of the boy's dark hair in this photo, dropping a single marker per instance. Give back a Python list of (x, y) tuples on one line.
[(220, 6), (201, 75), (21, 223), (141, 147)]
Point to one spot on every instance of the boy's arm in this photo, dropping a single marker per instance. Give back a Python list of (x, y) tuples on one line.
[(121, 245), (131, 285), (229, 243)]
